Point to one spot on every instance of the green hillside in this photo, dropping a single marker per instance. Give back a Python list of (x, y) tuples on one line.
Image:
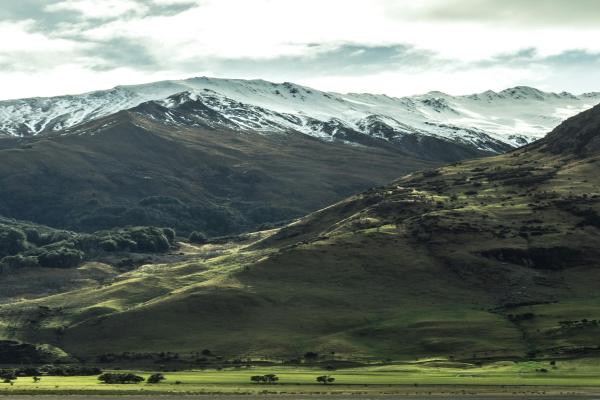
[(490, 258), (127, 169)]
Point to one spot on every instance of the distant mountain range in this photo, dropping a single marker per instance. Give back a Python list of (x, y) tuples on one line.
[(491, 122)]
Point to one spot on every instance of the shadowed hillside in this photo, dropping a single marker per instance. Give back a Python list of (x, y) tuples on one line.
[(128, 170)]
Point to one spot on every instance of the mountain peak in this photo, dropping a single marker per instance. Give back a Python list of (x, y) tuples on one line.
[(437, 93), (522, 92), (591, 95)]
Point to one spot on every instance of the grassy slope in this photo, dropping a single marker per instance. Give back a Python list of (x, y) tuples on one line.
[(478, 260)]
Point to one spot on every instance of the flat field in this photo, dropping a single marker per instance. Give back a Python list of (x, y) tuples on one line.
[(423, 378)]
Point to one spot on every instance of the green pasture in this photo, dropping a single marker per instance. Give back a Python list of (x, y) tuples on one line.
[(437, 375)]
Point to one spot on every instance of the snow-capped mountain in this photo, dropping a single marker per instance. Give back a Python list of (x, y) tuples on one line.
[(489, 121)]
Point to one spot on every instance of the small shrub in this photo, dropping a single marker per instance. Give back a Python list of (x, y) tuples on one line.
[(431, 173), (325, 379), (109, 245), (197, 238), (156, 378)]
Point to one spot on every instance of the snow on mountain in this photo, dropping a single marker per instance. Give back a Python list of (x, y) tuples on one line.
[(513, 117)]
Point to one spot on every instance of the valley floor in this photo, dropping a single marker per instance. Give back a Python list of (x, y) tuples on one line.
[(431, 378)]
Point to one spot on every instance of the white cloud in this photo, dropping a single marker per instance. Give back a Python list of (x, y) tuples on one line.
[(72, 79), (193, 40), (21, 39), (268, 29)]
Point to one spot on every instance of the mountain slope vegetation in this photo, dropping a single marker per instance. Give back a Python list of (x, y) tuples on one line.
[(127, 169), (488, 258)]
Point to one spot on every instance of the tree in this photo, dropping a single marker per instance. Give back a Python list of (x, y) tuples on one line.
[(110, 378), (156, 378), (170, 234), (8, 375), (206, 352), (12, 241), (257, 378), (311, 356), (109, 245), (325, 379)]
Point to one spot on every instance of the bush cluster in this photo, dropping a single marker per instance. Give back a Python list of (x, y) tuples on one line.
[(31, 247), (132, 239), (113, 378), (7, 375), (10, 374), (268, 379)]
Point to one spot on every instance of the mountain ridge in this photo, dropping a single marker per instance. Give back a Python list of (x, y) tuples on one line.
[(479, 120)]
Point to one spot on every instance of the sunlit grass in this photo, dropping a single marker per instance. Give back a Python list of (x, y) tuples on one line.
[(503, 376)]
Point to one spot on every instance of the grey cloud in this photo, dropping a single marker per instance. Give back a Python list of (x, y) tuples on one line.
[(120, 52), (343, 60), (47, 21), (529, 12), (531, 56), (575, 57), (71, 25), (169, 9), (20, 10)]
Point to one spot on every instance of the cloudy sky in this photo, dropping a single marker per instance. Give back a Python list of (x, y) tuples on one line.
[(398, 47)]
